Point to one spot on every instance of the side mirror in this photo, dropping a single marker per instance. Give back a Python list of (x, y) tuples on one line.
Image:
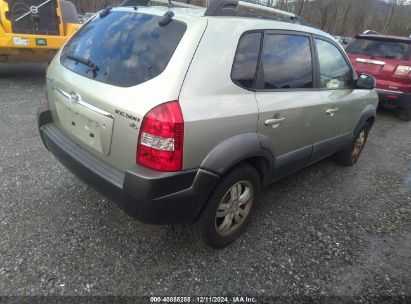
[(365, 82)]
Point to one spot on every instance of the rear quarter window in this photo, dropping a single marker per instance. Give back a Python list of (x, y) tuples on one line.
[(380, 48), (246, 60), (128, 48)]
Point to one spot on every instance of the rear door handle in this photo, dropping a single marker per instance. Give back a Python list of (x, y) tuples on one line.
[(274, 121), (332, 111)]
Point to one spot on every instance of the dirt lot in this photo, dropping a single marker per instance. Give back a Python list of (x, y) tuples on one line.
[(325, 231)]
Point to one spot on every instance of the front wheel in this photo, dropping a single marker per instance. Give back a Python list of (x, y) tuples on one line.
[(228, 211), (350, 155)]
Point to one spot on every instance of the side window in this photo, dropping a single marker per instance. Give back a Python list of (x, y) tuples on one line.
[(246, 60), (287, 62), (334, 70)]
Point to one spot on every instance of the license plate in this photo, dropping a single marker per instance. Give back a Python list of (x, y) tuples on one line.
[(89, 127)]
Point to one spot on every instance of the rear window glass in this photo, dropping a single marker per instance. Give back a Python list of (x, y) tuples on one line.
[(126, 48), (246, 60), (380, 48), (287, 62)]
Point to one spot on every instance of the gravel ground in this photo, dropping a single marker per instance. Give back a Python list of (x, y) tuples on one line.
[(325, 231)]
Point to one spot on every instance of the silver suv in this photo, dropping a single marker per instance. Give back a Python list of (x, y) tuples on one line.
[(183, 115)]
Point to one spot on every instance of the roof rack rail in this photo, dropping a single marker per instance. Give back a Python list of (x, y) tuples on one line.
[(230, 7), (147, 2)]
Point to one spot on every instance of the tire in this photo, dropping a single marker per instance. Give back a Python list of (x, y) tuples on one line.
[(404, 114), (350, 155), (213, 229)]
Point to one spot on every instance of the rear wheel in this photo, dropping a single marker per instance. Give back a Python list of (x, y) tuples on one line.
[(349, 156), (230, 207), (404, 114)]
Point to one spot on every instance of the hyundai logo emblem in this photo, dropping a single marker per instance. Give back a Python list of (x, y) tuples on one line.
[(75, 97)]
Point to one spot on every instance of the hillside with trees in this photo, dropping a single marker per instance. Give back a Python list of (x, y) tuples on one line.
[(350, 17), (338, 17)]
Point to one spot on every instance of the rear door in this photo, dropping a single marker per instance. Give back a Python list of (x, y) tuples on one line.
[(341, 102), (288, 102)]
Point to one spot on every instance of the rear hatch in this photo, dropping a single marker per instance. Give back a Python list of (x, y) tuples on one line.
[(112, 72), (38, 17), (384, 58)]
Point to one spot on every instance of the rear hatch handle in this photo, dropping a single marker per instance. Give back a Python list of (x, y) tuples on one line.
[(75, 98)]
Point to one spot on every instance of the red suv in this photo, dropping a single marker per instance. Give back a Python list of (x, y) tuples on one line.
[(388, 59)]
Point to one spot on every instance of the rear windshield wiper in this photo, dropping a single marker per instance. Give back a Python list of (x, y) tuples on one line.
[(87, 62)]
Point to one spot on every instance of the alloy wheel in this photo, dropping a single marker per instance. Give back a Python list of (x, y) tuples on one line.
[(234, 208), (358, 145)]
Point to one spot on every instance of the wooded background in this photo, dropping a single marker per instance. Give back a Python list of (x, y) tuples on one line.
[(338, 17)]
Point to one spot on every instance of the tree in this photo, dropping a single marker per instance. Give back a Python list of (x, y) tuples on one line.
[(300, 7), (342, 17)]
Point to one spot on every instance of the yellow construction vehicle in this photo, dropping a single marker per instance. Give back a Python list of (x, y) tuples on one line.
[(34, 30)]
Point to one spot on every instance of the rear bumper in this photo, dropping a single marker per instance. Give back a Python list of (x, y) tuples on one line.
[(151, 197), (394, 99)]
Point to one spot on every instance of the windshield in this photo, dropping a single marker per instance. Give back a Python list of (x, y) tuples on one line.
[(34, 17), (128, 48), (380, 48)]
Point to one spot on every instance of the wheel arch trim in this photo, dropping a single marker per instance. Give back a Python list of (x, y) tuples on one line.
[(235, 150), (369, 112)]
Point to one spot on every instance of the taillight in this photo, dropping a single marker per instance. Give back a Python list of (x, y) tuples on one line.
[(403, 70), (160, 142)]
